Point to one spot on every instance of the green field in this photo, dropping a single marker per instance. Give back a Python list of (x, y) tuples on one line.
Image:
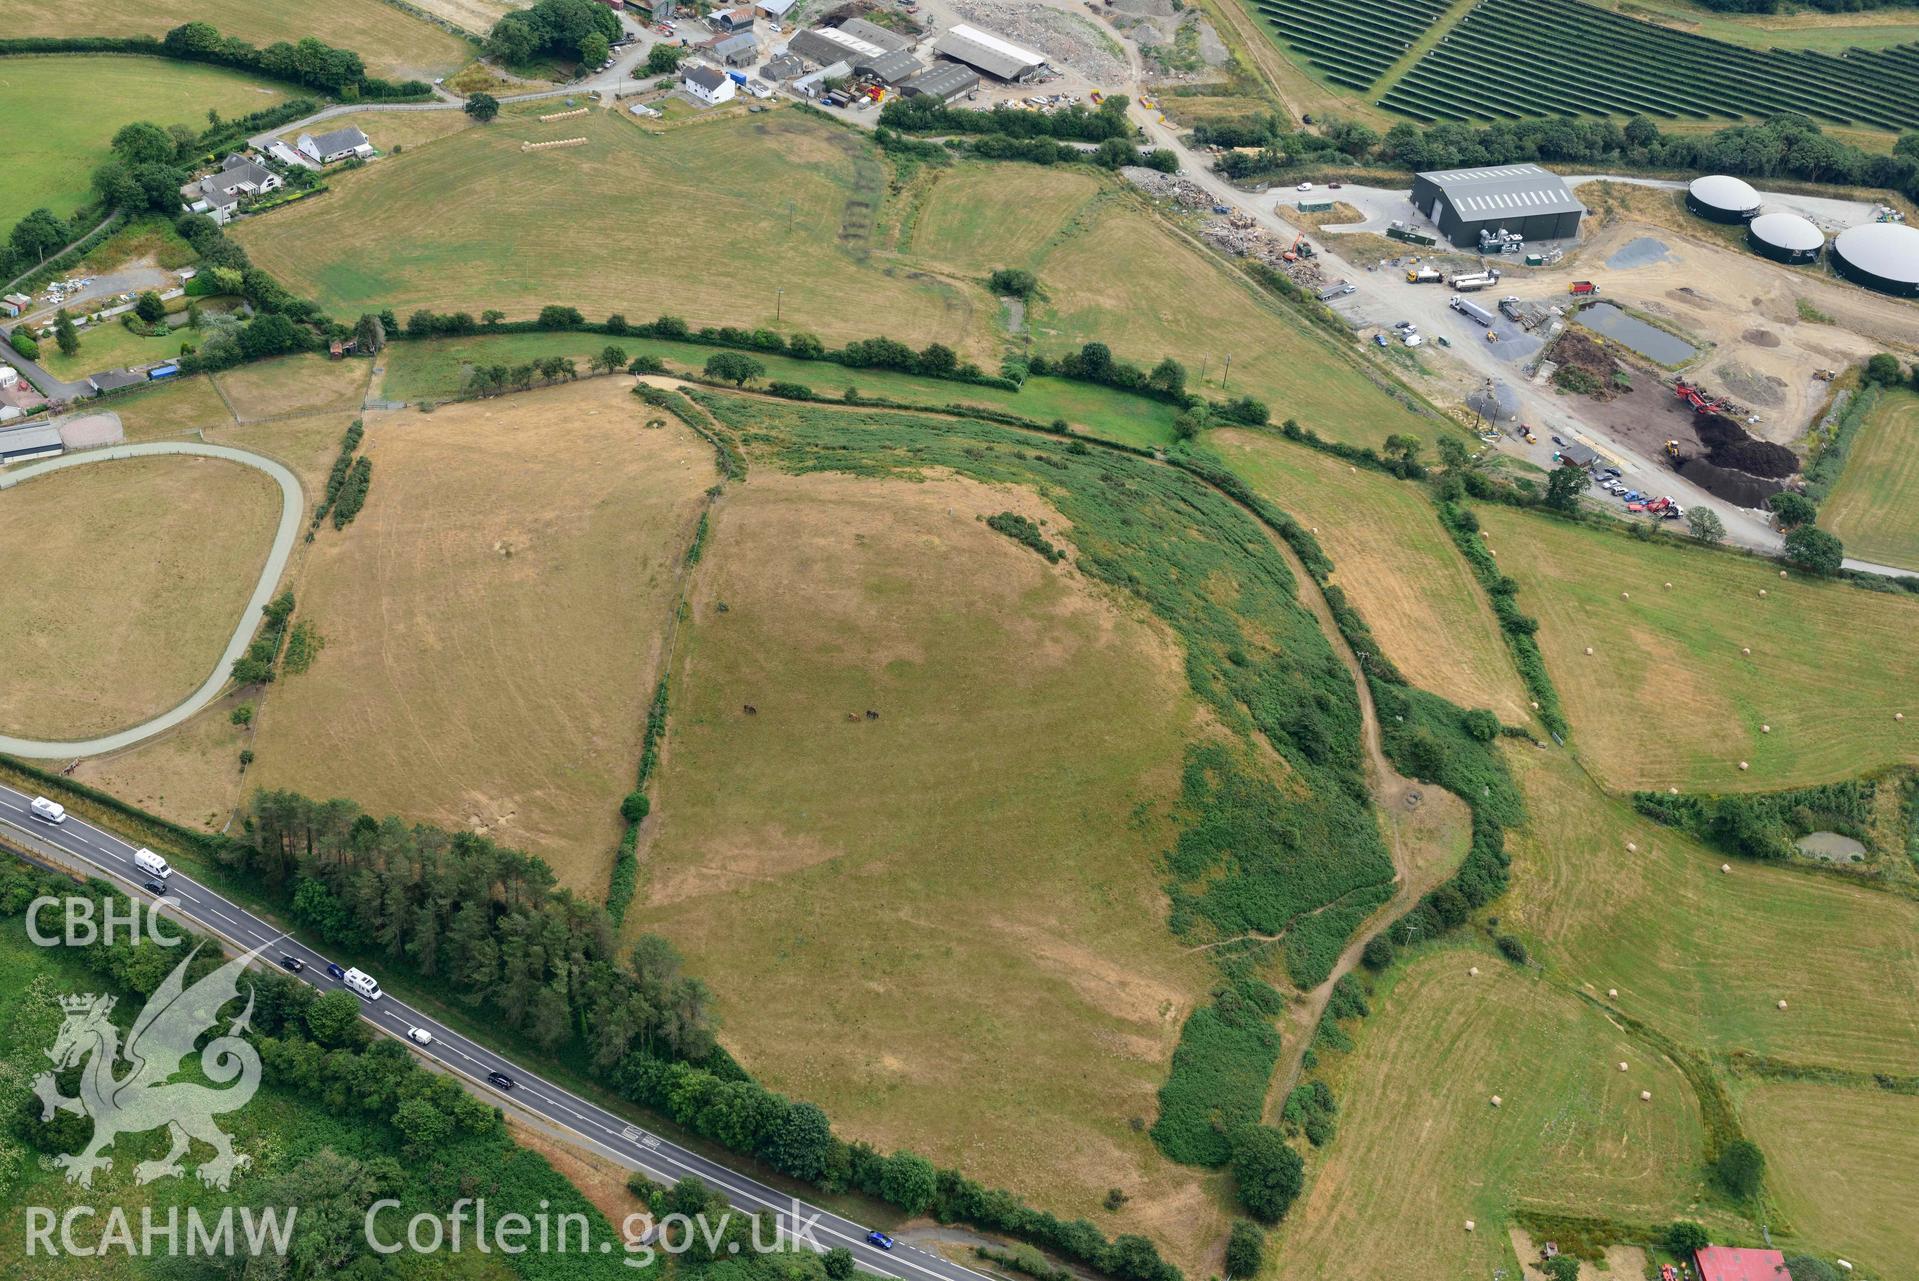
[(1807, 29), (1397, 565), (1706, 956), (105, 345), (62, 113), (1421, 1149), (437, 368), (1874, 508), (392, 43), (1668, 699), (978, 217), (1843, 1164), (709, 220)]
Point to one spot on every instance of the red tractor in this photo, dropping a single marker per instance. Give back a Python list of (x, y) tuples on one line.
[(1701, 401)]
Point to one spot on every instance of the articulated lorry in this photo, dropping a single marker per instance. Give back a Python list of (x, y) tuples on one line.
[(1467, 307), (1467, 281)]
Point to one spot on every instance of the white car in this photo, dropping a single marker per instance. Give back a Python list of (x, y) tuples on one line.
[(1305, 186), (1411, 339), (419, 1036), (48, 811)]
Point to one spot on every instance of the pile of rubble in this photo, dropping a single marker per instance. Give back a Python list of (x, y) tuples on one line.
[(1168, 186), (1239, 235), (1066, 39)]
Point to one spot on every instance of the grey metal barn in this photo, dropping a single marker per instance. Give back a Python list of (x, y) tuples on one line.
[(1523, 200)]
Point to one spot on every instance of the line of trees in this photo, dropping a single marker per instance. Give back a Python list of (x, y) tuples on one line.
[(925, 115), (1782, 146), (310, 62)]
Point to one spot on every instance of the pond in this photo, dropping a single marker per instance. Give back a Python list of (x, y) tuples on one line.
[(1629, 331), (1832, 847)]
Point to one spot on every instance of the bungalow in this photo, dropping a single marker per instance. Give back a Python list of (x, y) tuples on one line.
[(741, 50), (340, 144), (238, 178), (708, 85)]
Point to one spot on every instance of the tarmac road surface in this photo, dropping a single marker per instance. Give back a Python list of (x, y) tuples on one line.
[(92, 849)]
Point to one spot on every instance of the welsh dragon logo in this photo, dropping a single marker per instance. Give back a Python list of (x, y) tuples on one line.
[(145, 1097)]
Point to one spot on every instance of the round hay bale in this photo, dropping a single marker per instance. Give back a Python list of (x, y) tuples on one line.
[(1497, 1101), (1782, 573), (1469, 1225), (1613, 992), (1632, 847), (1472, 971), (1725, 867), (1743, 765), (1535, 704), (1589, 649), (1762, 591), (1492, 551), (1899, 716), (1782, 1005), (1625, 596), (1765, 729), (1645, 1096), (1622, 1065), (1672, 791), (1668, 586), (1746, 650)]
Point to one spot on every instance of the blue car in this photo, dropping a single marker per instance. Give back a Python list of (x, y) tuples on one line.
[(334, 971), (879, 1239)]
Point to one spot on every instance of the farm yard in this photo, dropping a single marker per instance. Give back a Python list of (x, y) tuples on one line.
[(1875, 506), (394, 44), (492, 622), (1397, 566), (1601, 63), (790, 190), (65, 109), (1570, 1134), (137, 575), (1828, 666)]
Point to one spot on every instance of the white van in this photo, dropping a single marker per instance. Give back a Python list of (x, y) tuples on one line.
[(48, 811), (363, 983), (152, 864)]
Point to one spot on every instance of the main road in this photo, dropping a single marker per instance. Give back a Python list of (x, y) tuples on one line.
[(85, 847)]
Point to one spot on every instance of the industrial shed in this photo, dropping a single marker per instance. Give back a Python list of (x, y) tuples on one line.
[(874, 33), (987, 53), (39, 440), (823, 46), (1879, 255), (889, 68), (1521, 200), (947, 81)]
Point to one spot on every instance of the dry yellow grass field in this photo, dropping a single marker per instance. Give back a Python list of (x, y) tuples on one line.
[(190, 774), (1126, 281), (978, 217), (1421, 1149), (138, 573), (1703, 955), (294, 385), (387, 130), (797, 198), (1842, 1163), (1667, 698), (392, 43), (964, 890), (493, 621), (1395, 563)]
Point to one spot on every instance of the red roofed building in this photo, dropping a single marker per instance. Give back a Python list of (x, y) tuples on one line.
[(1730, 1263)]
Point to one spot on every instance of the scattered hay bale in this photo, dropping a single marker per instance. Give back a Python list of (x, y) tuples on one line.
[(1747, 649), (1897, 716), (1668, 586), (1645, 1096), (1497, 1101), (1589, 649), (1672, 791), (1782, 573), (1469, 1225), (1632, 847), (1622, 1065), (1765, 729), (1625, 596), (1743, 765), (1782, 1005), (1613, 993), (1762, 592), (1725, 867), (1472, 972)]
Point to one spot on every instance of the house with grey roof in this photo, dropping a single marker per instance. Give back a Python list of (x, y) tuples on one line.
[(219, 194), (740, 50), (338, 144), (708, 85)]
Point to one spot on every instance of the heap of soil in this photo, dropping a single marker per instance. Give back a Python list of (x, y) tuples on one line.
[(1741, 489), (1729, 445), (1576, 350)]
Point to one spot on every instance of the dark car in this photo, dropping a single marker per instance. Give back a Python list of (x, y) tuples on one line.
[(879, 1239), (292, 964), (334, 971), (154, 887), (1559, 442), (500, 1079)]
